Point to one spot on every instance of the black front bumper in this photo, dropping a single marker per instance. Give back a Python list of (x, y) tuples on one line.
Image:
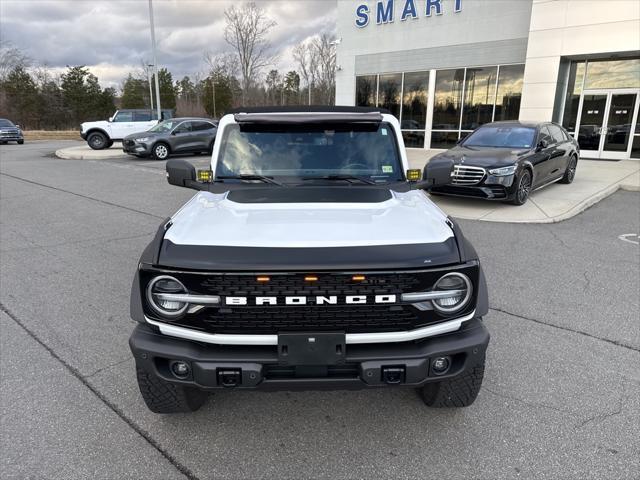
[(490, 188), (258, 367)]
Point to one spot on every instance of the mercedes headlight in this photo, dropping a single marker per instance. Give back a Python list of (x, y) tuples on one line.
[(459, 289), (503, 171), (163, 294), (142, 139)]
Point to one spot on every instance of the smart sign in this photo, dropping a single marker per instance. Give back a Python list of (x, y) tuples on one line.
[(385, 10)]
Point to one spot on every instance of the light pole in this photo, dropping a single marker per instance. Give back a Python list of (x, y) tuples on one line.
[(155, 59), (213, 96), (150, 87)]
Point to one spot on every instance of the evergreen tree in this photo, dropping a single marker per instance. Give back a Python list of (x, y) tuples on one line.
[(133, 93)]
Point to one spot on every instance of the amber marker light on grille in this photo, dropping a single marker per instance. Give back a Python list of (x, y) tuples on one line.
[(263, 279), (310, 278), (358, 278)]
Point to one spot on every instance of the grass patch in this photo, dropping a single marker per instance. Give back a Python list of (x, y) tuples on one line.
[(51, 135)]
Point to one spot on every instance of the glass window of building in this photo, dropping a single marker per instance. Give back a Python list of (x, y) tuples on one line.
[(389, 92), (509, 92), (414, 100), (574, 89), (366, 90), (413, 138), (414, 108), (613, 74), (448, 99), (444, 140), (479, 96)]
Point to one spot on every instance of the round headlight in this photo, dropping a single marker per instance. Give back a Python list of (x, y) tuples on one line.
[(460, 287), (159, 293)]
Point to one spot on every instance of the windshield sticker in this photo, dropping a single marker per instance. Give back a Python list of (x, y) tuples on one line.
[(387, 169), (384, 131)]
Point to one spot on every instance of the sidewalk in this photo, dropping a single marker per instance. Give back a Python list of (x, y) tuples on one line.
[(595, 180)]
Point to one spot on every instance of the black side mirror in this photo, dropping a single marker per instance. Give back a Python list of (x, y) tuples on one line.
[(542, 144), (436, 174), (182, 174)]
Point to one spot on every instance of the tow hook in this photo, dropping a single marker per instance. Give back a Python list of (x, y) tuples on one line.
[(229, 377), (393, 375)]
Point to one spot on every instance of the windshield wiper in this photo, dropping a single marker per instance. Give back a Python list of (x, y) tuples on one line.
[(261, 178), (347, 178)]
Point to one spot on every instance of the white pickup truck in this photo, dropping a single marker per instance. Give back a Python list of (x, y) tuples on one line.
[(103, 133)]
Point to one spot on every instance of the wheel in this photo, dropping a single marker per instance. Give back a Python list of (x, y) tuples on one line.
[(524, 189), (97, 140), (20, 142), (459, 391), (164, 397), (570, 172), (109, 143), (160, 151), (3, 143)]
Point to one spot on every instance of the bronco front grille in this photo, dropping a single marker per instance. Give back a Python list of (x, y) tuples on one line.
[(467, 175), (253, 318), (352, 318)]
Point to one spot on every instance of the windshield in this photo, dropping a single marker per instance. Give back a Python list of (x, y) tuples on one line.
[(498, 136), (311, 151), (6, 123), (165, 126)]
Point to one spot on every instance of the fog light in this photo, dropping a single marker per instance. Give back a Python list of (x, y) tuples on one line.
[(440, 365), (180, 369)]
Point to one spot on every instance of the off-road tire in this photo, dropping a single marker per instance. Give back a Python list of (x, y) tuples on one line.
[(160, 151), (20, 142), (570, 172), (459, 391), (164, 397), (97, 140)]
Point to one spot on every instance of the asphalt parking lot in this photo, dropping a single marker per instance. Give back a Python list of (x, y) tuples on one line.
[(561, 397)]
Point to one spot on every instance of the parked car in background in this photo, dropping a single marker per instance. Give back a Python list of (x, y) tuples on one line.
[(103, 133), (177, 135), (507, 160), (9, 132)]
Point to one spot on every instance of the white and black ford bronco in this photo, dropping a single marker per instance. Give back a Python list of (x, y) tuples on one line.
[(310, 258)]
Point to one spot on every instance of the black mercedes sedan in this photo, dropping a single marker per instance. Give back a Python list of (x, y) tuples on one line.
[(508, 160)]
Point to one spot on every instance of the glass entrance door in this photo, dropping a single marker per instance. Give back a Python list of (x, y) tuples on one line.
[(606, 123)]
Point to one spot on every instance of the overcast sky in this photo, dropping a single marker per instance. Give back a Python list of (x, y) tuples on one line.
[(112, 37)]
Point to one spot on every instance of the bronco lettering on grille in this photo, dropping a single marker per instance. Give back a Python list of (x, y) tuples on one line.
[(302, 300)]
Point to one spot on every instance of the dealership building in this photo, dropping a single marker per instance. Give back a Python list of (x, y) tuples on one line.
[(444, 67)]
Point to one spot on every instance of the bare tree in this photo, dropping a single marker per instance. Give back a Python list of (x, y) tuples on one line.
[(325, 52), (304, 56), (10, 58), (222, 63), (246, 31)]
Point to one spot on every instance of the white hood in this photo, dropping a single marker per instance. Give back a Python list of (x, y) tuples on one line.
[(213, 220)]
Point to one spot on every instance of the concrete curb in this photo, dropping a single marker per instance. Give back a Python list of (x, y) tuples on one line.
[(84, 152)]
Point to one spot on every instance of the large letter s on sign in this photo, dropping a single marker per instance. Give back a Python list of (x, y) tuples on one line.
[(362, 14)]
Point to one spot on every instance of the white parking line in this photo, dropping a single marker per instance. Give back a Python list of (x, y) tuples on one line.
[(631, 238)]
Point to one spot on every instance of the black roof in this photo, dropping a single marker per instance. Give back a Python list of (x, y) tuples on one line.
[(517, 123), (309, 109)]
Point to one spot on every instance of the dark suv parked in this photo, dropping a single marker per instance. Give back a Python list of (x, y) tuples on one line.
[(178, 135), (10, 132)]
